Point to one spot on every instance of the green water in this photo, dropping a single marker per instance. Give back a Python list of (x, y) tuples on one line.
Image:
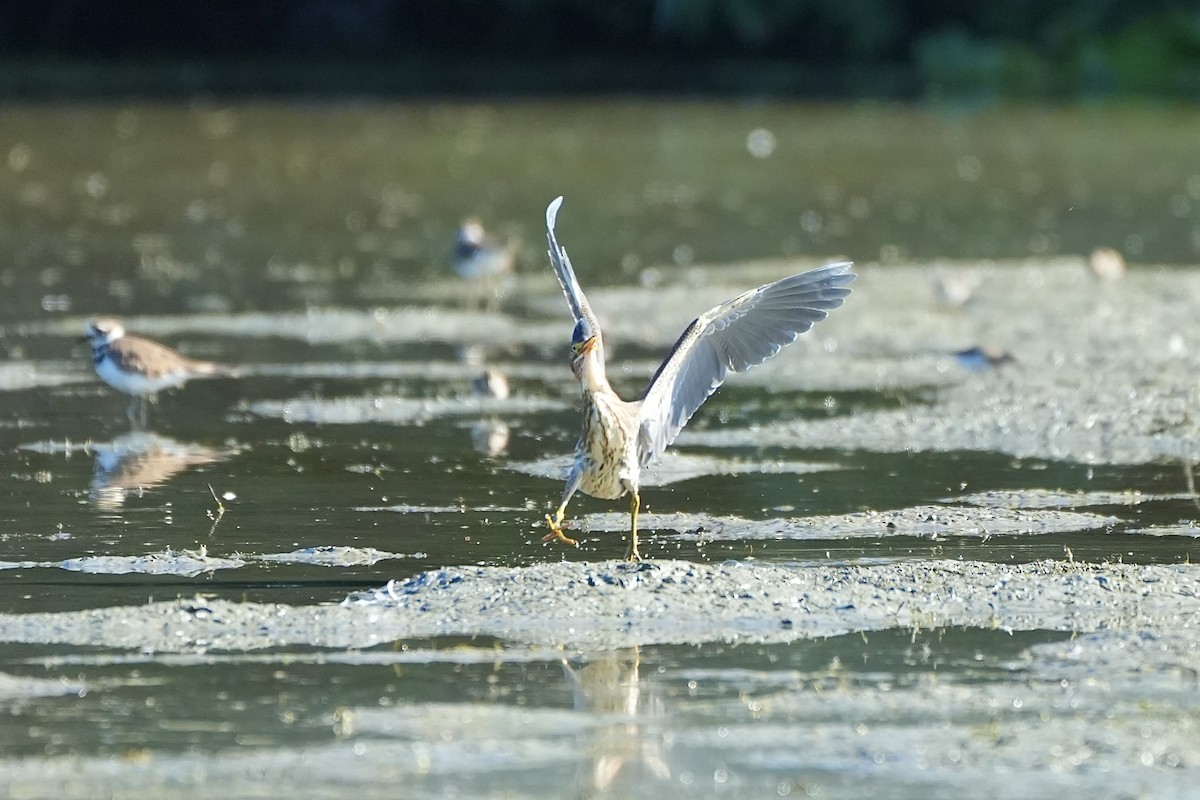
[(183, 214)]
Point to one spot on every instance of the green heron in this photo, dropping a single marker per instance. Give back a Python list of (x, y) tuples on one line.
[(619, 437)]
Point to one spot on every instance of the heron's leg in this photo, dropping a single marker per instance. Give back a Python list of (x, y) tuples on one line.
[(555, 521), (635, 504)]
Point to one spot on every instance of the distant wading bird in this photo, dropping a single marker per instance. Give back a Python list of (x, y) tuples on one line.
[(141, 367), (480, 257), (620, 438)]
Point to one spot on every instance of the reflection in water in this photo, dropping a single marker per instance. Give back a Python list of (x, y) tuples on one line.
[(1189, 476), (489, 436), (609, 686), (141, 460), (492, 383)]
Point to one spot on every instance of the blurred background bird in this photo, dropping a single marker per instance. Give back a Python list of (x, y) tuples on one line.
[(619, 437), (481, 258), (981, 357), (1107, 264)]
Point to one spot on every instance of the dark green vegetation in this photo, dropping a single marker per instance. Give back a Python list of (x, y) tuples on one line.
[(799, 47)]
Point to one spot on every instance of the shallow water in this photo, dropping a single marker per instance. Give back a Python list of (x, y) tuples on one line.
[(309, 245)]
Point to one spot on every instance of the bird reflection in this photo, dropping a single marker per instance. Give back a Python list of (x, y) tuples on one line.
[(609, 686), (490, 436), (491, 384), (141, 460), (1189, 477)]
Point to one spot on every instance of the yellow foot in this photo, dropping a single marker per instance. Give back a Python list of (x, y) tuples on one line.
[(556, 534), (632, 553)]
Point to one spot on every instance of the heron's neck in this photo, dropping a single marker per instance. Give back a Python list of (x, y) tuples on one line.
[(592, 376)]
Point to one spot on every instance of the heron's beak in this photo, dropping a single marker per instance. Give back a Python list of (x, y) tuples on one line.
[(588, 345)]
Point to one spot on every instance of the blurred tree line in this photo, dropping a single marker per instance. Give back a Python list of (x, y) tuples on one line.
[(1013, 47)]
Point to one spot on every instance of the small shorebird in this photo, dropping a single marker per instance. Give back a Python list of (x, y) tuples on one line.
[(480, 257), (979, 358), (141, 367), (620, 438)]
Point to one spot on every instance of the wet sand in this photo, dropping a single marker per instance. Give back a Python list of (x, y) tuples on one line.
[(1110, 707), (613, 604)]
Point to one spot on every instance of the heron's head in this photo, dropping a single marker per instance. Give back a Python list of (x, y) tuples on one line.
[(583, 344), (103, 330)]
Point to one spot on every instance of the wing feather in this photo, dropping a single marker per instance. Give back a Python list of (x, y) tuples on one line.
[(580, 309), (733, 337), (148, 357)]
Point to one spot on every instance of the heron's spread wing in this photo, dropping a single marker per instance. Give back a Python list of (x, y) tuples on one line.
[(566, 275), (733, 337)]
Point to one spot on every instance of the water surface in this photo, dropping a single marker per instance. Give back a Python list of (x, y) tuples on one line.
[(311, 243)]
